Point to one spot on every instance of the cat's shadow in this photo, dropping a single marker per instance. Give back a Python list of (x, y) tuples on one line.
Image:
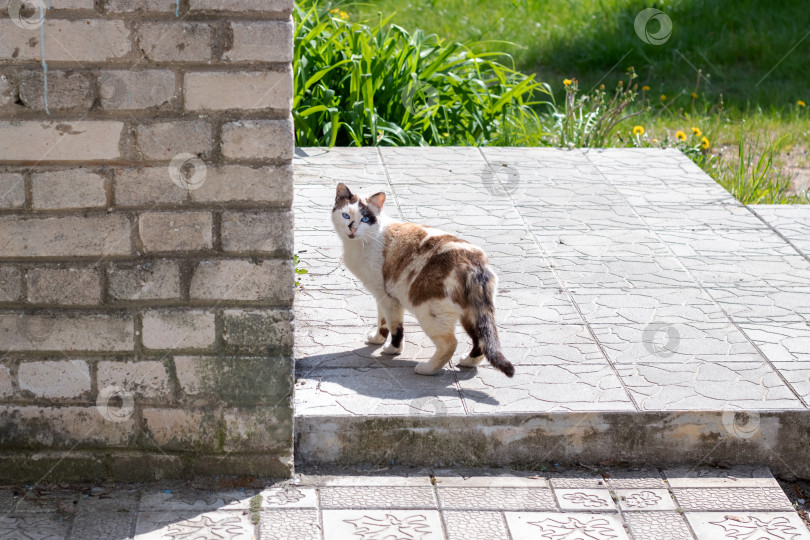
[(388, 377)]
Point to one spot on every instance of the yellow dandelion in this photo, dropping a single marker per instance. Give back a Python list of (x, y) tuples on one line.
[(655, 141), (704, 142), (801, 103), (694, 95), (645, 88), (601, 87), (680, 135), (638, 130), (567, 82), (697, 132), (663, 97)]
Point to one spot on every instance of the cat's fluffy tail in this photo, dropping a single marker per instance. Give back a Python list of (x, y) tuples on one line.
[(481, 286)]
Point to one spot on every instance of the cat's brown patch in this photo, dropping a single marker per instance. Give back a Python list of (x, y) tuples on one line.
[(430, 283), (401, 242)]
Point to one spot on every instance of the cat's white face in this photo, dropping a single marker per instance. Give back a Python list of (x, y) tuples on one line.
[(355, 218)]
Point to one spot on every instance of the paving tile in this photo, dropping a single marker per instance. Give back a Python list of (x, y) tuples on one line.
[(709, 385), (545, 388), (446, 479), (699, 217), (797, 374), (731, 498), (329, 176), (535, 306), (706, 477), (293, 524), (457, 193), (644, 499), (568, 480), (422, 480), (636, 479), (584, 500), (538, 157), (473, 525), (107, 518), (544, 344), (335, 156), (289, 497), (430, 155), (792, 221), (717, 243), (673, 193), (158, 525), (459, 220), (764, 304), (739, 270), (622, 272), (758, 525), (368, 524), (35, 526), (657, 526), (376, 392), (781, 342), (314, 195), (603, 243), (581, 218), (196, 499), (527, 525), (377, 497), (495, 498), (572, 193), (642, 306)]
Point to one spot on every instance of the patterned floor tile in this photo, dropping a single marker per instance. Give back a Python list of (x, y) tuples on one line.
[(584, 500), (196, 499), (605, 243), (754, 525), (644, 499), (727, 499), (377, 497), (569, 480), (764, 304), (34, 526), (374, 524), (644, 306), (466, 525), (699, 217), (293, 524), (657, 526), (161, 525), (636, 479), (289, 497), (706, 477), (622, 272), (579, 526), (495, 498), (543, 219)]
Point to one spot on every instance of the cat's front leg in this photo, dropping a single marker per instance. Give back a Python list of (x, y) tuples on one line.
[(394, 316), (379, 334)]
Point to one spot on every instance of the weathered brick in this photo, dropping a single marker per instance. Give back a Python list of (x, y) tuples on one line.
[(242, 5), (71, 4), (258, 429), (176, 231), (58, 379), (175, 41), (10, 283), (146, 186), (266, 281), (6, 381), (167, 139), (243, 90), (66, 286), (261, 41), (183, 429), (266, 331), (65, 236), (66, 91), (189, 329), (238, 183), (8, 94), (124, 90), (60, 141), (157, 280), (148, 378), (74, 188), (257, 232), (72, 332), (235, 379), (128, 6), (258, 139), (12, 190), (92, 40), (63, 427)]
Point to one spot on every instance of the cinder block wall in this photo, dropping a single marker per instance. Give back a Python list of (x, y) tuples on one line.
[(146, 277)]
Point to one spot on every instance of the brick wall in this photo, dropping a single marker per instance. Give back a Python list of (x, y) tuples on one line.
[(145, 238)]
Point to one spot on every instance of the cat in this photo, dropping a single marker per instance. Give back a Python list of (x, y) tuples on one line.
[(437, 277)]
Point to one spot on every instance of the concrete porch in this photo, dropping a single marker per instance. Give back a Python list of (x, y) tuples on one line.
[(650, 316)]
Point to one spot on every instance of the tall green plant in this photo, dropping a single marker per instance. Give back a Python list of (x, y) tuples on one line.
[(364, 85)]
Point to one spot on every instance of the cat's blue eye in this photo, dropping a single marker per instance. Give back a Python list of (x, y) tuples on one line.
[(345, 216), (366, 219)]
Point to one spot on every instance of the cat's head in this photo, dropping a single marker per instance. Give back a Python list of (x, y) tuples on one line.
[(356, 217)]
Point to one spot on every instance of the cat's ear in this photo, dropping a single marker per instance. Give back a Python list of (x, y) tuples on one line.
[(377, 200), (343, 192)]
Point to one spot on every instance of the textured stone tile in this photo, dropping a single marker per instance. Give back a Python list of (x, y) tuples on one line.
[(103, 521), (748, 524), (582, 218), (323, 197), (161, 524), (376, 392), (575, 479), (544, 344), (699, 217), (636, 479), (603, 243), (368, 524), (289, 497), (39, 526), (642, 306), (377, 497), (673, 193), (192, 499), (290, 525), (466, 525), (718, 243), (792, 221), (447, 479), (797, 374), (495, 498), (546, 388), (622, 272), (431, 155), (706, 477), (644, 499), (571, 193), (388, 480), (736, 270), (570, 525), (657, 526), (307, 157), (706, 385), (731, 498), (584, 500), (458, 220), (764, 304), (781, 342)]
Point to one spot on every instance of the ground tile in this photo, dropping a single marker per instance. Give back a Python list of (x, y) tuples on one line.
[(657, 526), (797, 374), (289, 497), (446, 479), (160, 525), (377, 497), (371, 524), (636, 479), (642, 306), (581, 218), (569, 480), (764, 304), (458, 220), (292, 524), (335, 156), (545, 344), (584, 500), (576, 526), (35, 526), (466, 525), (373, 480), (781, 342), (605, 243), (699, 217), (745, 524), (736, 498), (622, 272), (645, 499), (737, 270), (759, 243), (323, 197), (196, 499), (705, 477), (496, 498), (670, 192), (535, 306)]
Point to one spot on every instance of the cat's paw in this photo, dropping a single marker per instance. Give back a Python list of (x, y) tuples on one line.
[(375, 338), (390, 349), (471, 361), (425, 368)]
